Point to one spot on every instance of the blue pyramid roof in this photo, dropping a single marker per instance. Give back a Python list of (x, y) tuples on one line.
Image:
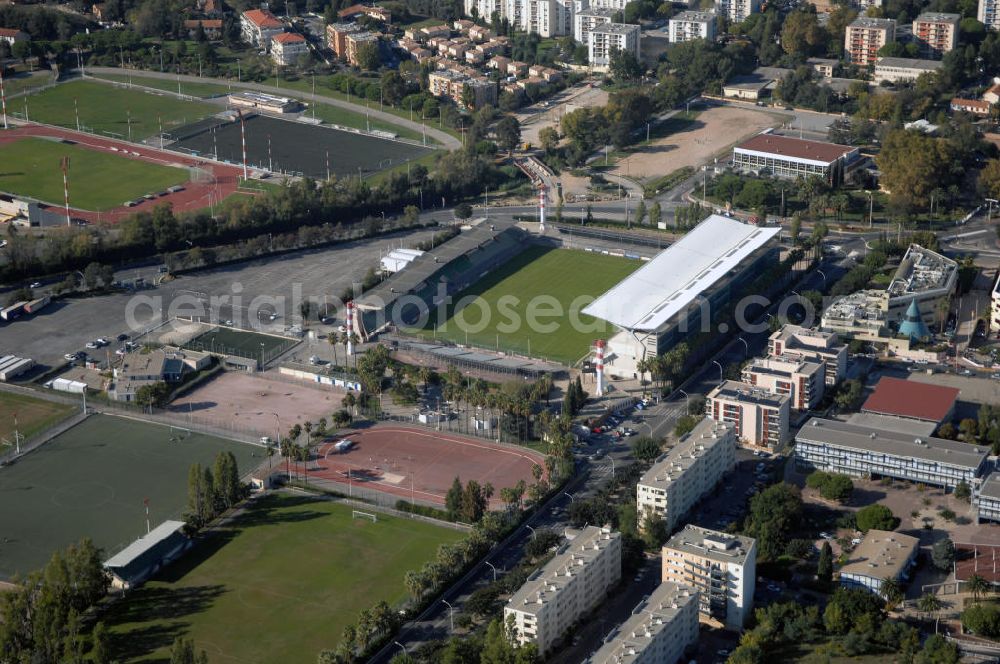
[(913, 325)]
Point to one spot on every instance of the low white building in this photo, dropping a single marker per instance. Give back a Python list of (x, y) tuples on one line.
[(882, 554), (606, 39), (903, 70), (689, 25), (397, 259), (986, 499)]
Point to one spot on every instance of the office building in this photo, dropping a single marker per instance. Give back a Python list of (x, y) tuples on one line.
[(287, 47), (721, 567), (902, 70), (258, 26), (686, 473), (865, 36), (814, 345), (935, 33), (736, 11), (882, 554), (803, 381), (605, 39), (988, 14), (790, 158), (568, 586), (887, 451), (689, 25), (759, 417), (661, 628)]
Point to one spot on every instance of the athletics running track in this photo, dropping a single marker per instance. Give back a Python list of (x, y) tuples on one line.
[(387, 458), (195, 196)]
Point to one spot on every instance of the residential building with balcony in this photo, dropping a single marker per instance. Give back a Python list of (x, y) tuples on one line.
[(585, 21), (995, 305), (865, 36), (689, 25), (988, 14), (721, 567), (287, 47), (814, 345), (610, 37), (686, 473), (737, 11), (567, 587), (759, 418), (801, 380), (258, 26), (936, 33)]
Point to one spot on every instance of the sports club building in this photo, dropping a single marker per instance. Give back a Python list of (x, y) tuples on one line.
[(789, 158)]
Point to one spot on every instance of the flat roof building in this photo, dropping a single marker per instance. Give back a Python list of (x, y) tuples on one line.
[(586, 20), (925, 277), (935, 33), (759, 417), (912, 399), (865, 36), (986, 499), (803, 381), (607, 38), (995, 305), (686, 473), (737, 11), (790, 158), (721, 567), (867, 451), (568, 586), (814, 345), (144, 557), (659, 630), (882, 554), (689, 25), (902, 70)]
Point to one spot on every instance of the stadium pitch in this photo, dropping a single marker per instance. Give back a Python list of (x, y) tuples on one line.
[(231, 341), (98, 180), (302, 567), (569, 277), (295, 147), (91, 482)]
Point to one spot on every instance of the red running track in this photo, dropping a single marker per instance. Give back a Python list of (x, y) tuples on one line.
[(196, 195), (385, 458)]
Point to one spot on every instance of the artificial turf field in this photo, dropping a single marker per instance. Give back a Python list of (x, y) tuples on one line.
[(98, 180), (293, 567), (104, 108), (33, 415), (91, 481), (563, 274), (241, 343)]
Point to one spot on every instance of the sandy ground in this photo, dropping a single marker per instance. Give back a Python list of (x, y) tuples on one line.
[(534, 118), (714, 130)]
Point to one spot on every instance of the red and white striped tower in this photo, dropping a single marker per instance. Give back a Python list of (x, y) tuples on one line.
[(541, 208), (3, 97), (350, 327), (243, 137), (64, 165), (599, 362)]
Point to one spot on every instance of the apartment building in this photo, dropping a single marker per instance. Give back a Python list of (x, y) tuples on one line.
[(902, 70), (736, 11), (995, 306), (606, 39), (287, 47), (661, 628), (988, 14), (355, 41), (759, 417), (336, 37), (568, 586), (935, 33), (585, 21), (539, 16), (813, 345), (689, 25), (801, 380), (882, 554), (258, 26), (685, 473), (721, 567), (887, 451), (865, 36)]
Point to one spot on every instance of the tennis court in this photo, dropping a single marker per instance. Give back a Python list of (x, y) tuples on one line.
[(230, 341), (91, 482)]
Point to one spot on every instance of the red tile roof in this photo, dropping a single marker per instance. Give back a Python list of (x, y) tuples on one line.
[(262, 19), (289, 38), (11, 32), (796, 148), (912, 399)]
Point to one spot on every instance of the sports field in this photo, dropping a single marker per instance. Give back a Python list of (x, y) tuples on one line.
[(90, 482), (231, 341), (554, 285), (299, 568), (104, 108), (98, 180), (33, 415), (185, 88)]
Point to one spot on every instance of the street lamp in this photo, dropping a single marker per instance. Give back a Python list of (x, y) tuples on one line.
[(451, 615), (989, 210), (687, 404), (401, 646), (491, 564), (533, 533), (721, 372), (746, 347), (822, 274), (571, 498)]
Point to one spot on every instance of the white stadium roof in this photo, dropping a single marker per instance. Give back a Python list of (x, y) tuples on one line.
[(667, 284)]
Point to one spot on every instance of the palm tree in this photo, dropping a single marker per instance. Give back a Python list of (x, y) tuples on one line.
[(978, 586), (891, 592), (929, 603)]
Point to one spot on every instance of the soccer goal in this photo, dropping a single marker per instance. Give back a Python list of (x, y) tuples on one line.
[(179, 433), (358, 514)]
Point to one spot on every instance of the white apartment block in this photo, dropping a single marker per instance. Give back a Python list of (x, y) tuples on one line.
[(736, 11), (287, 47), (659, 630), (989, 13), (690, 25), (880, 451), (686, 473), (549, 18), (540, 17), (759, 417), (721, 567), (995, 306), (258, 26), (584, 22), (802, 380), (567, 587), (865, 36), (814, 345), (605, 39)]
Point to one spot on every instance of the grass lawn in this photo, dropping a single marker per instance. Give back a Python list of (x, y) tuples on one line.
[(33, 415), (21, 82), (294, 567), (98, 180), (573, 278), (190, 89), (104, 109), (90, 481), (346, 118)]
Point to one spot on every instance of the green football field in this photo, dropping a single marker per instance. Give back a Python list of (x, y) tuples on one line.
[(278, 585), (97, 180), (33, 415), (241, 343), (105, 108), (555, 284), (91, 482)]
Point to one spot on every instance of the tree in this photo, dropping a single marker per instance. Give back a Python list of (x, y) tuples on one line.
[(91, 275), (182, 652), (155, 394), (929, 603), (200, 498), (226, 479), (801, 33), (982, 620), (824, 568), (774, 515), (978, 586), (943, 554), (640, 212), (891, 591), (100, 652), (368, 56), (962, 491), (875, 516), (989, 179), (849, 395), (624, 66), (796, 228), (655, 214), (453, 499), (463, 211), (645, 449), (393, 87), (937, 650), (508, 133), (913, 164), (548, 139)]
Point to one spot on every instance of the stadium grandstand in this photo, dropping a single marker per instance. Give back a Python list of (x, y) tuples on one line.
[(675, 293)]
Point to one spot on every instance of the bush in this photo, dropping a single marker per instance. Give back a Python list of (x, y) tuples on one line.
[(831, 486), (982, 619), (878, 517)]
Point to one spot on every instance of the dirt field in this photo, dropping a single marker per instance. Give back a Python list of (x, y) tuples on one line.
[(387, 457), (252, 401), (534, 118), (715, 130)]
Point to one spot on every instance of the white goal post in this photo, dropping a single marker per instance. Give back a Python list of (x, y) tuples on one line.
[(358, 514), (179, 433)]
